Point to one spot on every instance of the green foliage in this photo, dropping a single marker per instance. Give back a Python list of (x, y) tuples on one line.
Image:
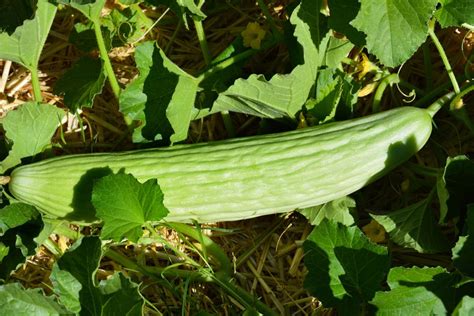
[(15, 300), (13, 13), (161, 99), (394, 28), (90, 8), (465, 307), (345, 269), (81, 83), (74, 279), (20, 224), (417, 291), (455, 12), (414, 227), (283, 95), (455, 187), (25, 44), (339, 210), (342, 13), (125, 205), (463, 252), (42, 121)]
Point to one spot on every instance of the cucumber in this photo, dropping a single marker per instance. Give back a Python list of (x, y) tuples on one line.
[(239, 178)]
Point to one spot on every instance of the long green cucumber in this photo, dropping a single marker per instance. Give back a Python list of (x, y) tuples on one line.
[(239, 178)]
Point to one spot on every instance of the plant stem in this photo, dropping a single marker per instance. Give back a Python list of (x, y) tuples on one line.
[(438, 104), (212, 248), (268, 16), (245, 298), (443, 56), (229, 125), (106, 60), (153, 272), (234, 59), (35, 83), (388, 80), (202, 41), (428, 66), (435, 92)]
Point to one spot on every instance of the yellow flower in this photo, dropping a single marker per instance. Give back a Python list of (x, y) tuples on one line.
[(253, 35), (366, 66), (374, 231)]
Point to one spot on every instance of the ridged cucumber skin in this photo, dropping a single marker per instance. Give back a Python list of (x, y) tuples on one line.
[(240, 178)]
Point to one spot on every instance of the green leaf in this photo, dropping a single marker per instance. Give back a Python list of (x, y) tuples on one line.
[(125, 205), (83, 37), (81, 261), (121, 294), (344, 268), (13, 13), (463, 251), (342, 13), (455, 12), (67, 288), (394, 28), (417, 291), (128, 25), (283, 95), (20, 224), (337, 50), (338, 210), (90, 8), (161, 98), (329, 88), (42, 121), (81, 83), (15, 300), (15, 215), (465, 307), (414, 227), (181, 8), (455, 187), (74, 280), (24, 45)]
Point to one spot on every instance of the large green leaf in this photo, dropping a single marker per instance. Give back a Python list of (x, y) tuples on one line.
[(463, 251), (20, 224), (42, 121), (344, 268), (417, 291), (455, 12), (338, 210), (127, 25), (414, 227), (81, 83), (455, 187), (283, 95), (394, 28), (465, 307), (161, 99), (15, 300), (119, 295), (25, 44), (115, 296), (125, 205), (90, 8), (82, 261), (67, 288), (342, 13), (13, 13)]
